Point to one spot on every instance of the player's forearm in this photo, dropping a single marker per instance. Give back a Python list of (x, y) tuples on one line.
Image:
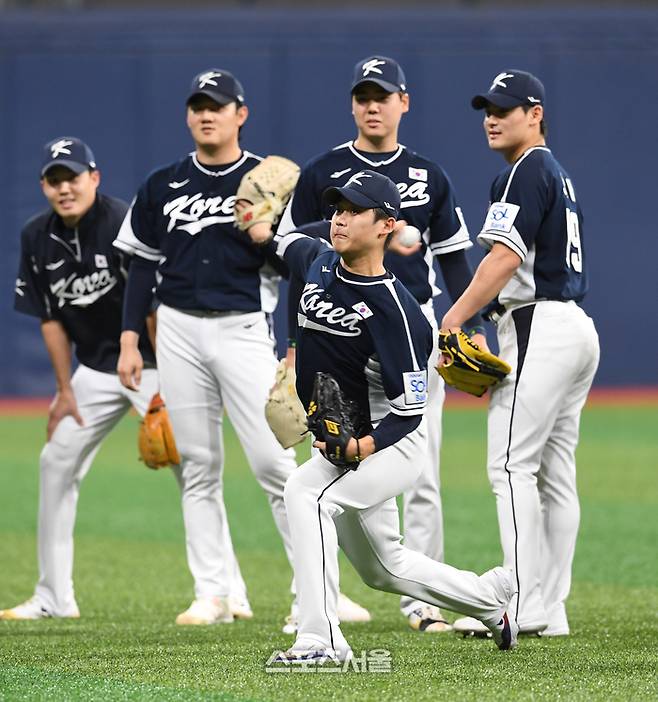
[(457, 274), (58, 346), (493, 273)]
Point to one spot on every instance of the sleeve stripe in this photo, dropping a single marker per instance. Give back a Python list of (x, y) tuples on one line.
[(127, 240), (391, 288), (284, 240), (514, 243)]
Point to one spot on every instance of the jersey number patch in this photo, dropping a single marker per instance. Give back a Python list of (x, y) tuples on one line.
[(574, 247)]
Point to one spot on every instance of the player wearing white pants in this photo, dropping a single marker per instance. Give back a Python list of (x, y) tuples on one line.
[(215, 289), (379, 100), (531, 280), (359, 328), (200, 385), (73, 280)]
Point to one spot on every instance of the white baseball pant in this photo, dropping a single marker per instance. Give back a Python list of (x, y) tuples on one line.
[(328, 507), (533, 429), (209, 364), (65, 460)]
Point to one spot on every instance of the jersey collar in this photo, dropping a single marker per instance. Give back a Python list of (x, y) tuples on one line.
[(375, 164), (355, 279), (226, 171)]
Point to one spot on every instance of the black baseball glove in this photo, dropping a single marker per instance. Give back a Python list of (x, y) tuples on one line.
[(333, 419)]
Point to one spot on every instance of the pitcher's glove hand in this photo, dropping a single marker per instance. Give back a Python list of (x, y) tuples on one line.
[(264, 191), (157, 447), (469, 368), (333, 419), (284, 411)]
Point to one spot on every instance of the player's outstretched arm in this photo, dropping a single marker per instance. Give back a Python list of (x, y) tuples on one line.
[(130, 363), (64, 403)]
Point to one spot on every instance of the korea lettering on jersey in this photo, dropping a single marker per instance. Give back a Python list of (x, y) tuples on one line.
[(534, 212), (183, 218), (428, 202), (76, 277), (346, 324)]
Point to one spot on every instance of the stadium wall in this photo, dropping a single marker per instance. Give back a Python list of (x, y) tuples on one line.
[(119, 80)]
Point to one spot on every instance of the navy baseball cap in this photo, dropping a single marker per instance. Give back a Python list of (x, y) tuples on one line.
[(69, 152), (367, 189), (511, 89), (219, 85), (381, 70)]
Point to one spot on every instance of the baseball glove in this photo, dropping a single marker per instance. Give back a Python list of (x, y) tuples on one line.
[(333, 419), (267, 188), (157, 447), (471, 369), (284, 411)]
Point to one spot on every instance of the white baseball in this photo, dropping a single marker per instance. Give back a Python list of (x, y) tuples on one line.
[(409, 235)]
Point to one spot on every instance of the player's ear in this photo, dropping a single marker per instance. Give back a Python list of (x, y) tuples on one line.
[(405, 100), (242, 114), (95, 176), (537, 114)]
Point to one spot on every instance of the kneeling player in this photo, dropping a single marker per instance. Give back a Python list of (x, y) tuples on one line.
[(358, 323)]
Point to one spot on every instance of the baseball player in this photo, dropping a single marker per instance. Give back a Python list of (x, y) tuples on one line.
[(535, 274), (73, 280), (358, 323), (214, 343), (379, 101)]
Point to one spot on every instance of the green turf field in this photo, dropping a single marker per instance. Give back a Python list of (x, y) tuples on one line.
[(132, 580)]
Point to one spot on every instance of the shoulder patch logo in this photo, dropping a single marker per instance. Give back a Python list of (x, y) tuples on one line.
[(363, 310), (418, 174), (500, 217), (415, 387)]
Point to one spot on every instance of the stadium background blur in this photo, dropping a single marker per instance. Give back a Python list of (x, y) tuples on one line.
[(118, 77)]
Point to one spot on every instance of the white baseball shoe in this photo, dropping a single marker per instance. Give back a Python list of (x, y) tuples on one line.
[(206, 610), (239, 608), (33, 609), (348, 611), (470, 626), (428, 618), (312, 654)]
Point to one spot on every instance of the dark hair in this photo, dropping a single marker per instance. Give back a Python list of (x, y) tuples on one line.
[(543, 129), (380, 215)]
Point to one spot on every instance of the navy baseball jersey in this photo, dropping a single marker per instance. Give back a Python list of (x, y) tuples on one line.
[(428, 203), (369, 333), (183, 218), (77, 277), (535, 213)]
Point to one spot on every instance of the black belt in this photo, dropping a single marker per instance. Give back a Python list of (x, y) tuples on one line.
[(495, 311), (211, 313)]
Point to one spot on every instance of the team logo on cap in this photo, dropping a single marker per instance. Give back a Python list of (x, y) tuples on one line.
[(498, 80), (355, 178), (61, 147), (209, 79), (371, 67)]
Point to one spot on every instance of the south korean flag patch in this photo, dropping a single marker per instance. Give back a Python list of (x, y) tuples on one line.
[(362, 309)]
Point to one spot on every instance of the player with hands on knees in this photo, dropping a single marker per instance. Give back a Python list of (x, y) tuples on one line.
[(73, 280), (531, 281), (362, 359)]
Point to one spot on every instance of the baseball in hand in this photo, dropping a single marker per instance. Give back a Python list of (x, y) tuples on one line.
[(409, 235)]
